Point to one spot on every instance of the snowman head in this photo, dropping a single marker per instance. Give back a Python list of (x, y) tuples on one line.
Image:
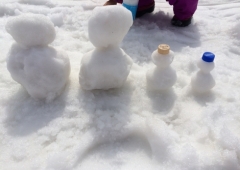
[(108, 25), (31, 30)]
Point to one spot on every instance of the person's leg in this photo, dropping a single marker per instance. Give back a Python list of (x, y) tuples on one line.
[(111, 2), (145, 6), (183, 11)]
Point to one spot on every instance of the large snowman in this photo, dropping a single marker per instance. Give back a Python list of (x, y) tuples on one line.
[(41, 69), (107, 66)]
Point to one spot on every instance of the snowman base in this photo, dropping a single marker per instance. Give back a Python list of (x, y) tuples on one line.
[(159, 79), (104, 68), (42, 71), (202, 82)]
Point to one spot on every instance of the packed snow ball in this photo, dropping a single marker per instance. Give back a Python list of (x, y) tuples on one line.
[(42, 71), (108, 25), (162, 60), (104, 68), (31, 30)]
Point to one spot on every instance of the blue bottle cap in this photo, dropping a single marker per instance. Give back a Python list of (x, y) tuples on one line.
[(208, 57), (131, 8)]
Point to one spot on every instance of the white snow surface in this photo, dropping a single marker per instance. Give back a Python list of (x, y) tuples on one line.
[(104, 68), (130, 127), (107, 27), (31, 30)]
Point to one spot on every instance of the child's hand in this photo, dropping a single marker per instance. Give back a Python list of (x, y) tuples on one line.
[(110, 2)]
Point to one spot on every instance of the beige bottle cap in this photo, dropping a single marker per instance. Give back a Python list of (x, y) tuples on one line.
[(163, 49)]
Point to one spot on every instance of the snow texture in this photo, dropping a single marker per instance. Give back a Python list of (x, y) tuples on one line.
[(106, 27), (5, 10), (129, 128), (31, 30), (48, 3)]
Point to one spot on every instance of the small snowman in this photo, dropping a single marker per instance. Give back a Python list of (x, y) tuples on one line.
[(107, 66), (41, 69), (203, 80), (162, 76)]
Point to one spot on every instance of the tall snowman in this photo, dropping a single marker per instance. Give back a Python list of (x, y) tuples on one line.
[(107, 66), (41, 69)]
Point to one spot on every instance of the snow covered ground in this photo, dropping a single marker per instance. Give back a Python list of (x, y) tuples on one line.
[(130, 127)]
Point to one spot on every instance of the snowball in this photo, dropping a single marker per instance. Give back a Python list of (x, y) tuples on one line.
[(161, 79), (202, 82), (162, 60), (31, 30), (43, 71), (205, 67), (108, 25), (104, 68)]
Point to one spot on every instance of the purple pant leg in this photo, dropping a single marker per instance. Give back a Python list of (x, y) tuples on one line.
[(183, 9)]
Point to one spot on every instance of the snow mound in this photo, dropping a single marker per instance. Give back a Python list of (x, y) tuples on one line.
[(48, 3), (43, 71), (31, 30), (108, 25), (161, 138), (5, 10), (104, 68), (57, 19)]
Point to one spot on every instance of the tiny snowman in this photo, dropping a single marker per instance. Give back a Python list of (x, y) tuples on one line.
[(107, 66), (42, 70), (162, 76), (203, 81)]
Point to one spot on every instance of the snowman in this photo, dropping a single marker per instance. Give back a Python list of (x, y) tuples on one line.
[(203, 81), (162, 76), (41, 69), (107, 66)]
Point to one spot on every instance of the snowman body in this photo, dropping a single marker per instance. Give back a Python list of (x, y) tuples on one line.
[(107, 66), (162, 76), (203, 81), (42, 70)]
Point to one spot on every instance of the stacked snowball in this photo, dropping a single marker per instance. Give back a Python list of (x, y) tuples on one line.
[(107, 66), (42, 70)]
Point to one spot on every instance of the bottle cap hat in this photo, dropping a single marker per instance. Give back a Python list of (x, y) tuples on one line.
[(208, 57), (163, 49)]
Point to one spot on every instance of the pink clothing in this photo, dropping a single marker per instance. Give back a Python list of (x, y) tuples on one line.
[(183, 9)]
